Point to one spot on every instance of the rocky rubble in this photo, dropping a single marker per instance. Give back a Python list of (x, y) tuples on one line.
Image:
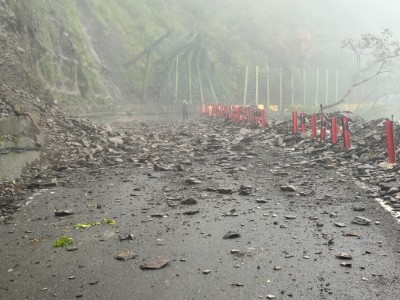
[(366, 160), (74, 146)]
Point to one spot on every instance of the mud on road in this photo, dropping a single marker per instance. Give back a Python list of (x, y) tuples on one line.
[(290, 221)]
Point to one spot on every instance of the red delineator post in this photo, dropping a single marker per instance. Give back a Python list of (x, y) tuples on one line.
[(295, 129), (390, 137), (346, 133), (263, 118), (248, 114), (323, 129), (334, 130), (314, 126), (303, 122)]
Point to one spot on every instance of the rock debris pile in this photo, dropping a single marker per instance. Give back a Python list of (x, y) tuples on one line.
[(74, 146)]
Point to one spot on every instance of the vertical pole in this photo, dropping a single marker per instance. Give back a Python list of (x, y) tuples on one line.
[(280, 89), (390, 137), (346, 84), (292, 87), (268, 91), (212, 88), (176, 78), (263, 118), (326, 86), (256, 85), (314, 126), (337, 85), (346, 133), (323, 130), (334, 131), (304, 88), (146, 76), (189, 62), (246, 76), (295, 128), (200, 80), (317, 88)]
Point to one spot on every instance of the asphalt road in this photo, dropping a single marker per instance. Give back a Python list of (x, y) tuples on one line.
[(287, 246)]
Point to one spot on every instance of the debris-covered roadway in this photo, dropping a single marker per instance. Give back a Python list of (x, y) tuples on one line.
[(204, 209)]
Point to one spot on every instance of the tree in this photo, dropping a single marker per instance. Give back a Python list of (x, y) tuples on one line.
[(375, 54)]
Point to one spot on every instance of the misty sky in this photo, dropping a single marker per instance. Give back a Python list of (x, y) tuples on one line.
[(359, 16)]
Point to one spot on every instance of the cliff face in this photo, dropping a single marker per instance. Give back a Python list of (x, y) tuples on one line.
[(51, 47), (74, 51)]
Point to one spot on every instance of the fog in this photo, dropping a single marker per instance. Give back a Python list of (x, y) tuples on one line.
[(317, 28)]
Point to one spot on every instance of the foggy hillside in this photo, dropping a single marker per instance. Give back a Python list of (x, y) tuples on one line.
[(96, 39)]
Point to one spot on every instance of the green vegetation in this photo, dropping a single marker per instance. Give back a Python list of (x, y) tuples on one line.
[(90, 224), (77, 43), (63, 242)]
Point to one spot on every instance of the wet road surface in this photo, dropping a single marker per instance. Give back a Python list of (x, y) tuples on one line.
[(286, 249)]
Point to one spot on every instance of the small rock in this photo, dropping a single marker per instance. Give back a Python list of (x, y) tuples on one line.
[(288, 188), (261, 201), (192, 181), (359, 208), (361, 221), (126, 255), (161, 168), (231, 235), (224, 190), (290, 217), (237, 284), (125, 237), (344, 255), (189, 201), (71, 248), (191, 212), (63, 213), (346, 264), (155, 264), (245, 190)]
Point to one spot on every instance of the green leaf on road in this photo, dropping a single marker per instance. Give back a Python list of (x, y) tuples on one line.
[(63, 241)]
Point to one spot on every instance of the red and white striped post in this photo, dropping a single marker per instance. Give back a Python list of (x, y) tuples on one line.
[(322, 136), (263, 118), (346, 133), (390, 137), (314, 126), (334, 130)]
